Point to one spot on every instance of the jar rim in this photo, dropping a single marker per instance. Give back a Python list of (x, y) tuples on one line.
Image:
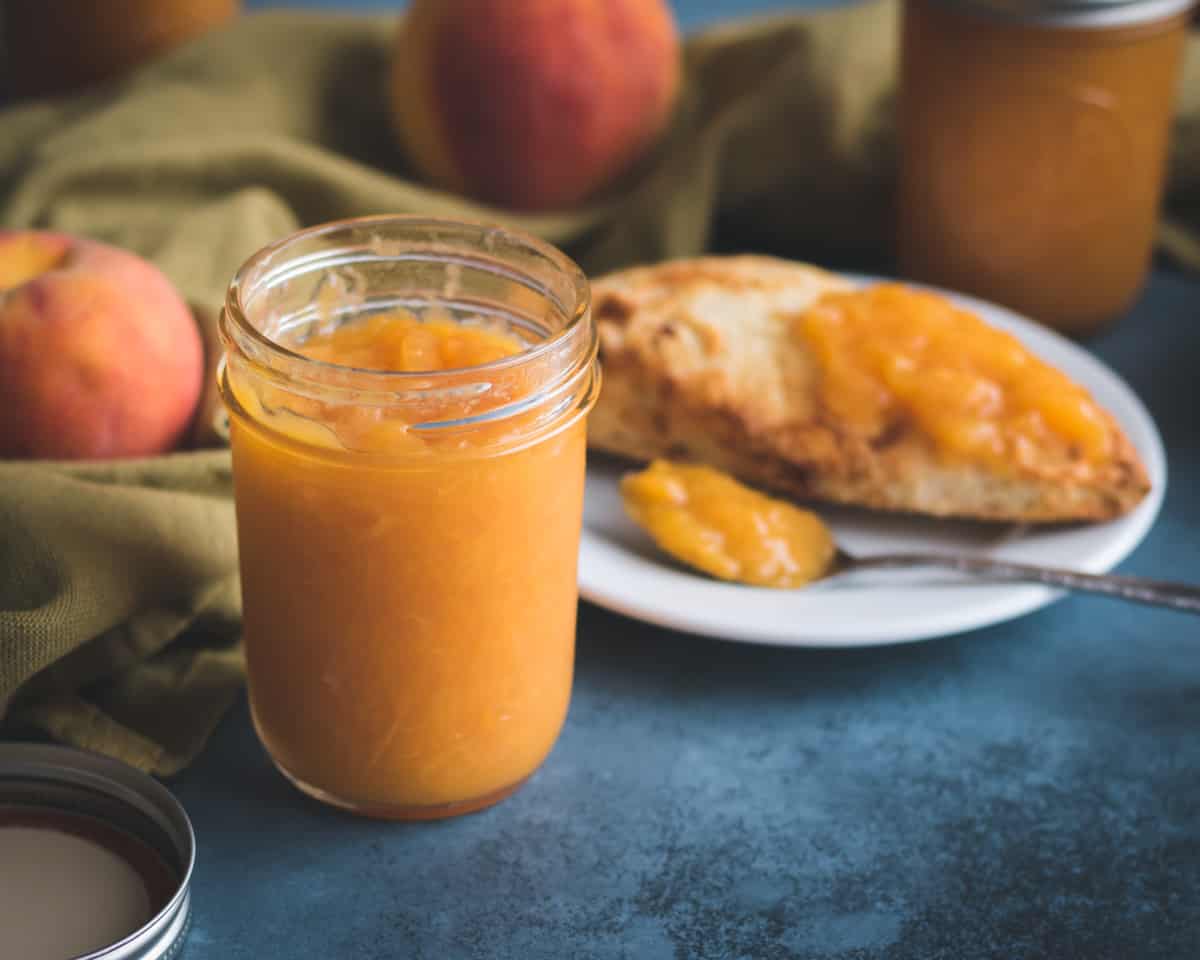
[(390, 379), (564, 359)]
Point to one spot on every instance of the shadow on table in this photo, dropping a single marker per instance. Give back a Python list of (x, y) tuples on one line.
[(651, 661), (641, 662)]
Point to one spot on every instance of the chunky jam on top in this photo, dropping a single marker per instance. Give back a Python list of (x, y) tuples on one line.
[(398, 341)]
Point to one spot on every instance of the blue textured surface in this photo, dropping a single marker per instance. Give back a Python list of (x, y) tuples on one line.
[(1029, 790), (1026, 791)]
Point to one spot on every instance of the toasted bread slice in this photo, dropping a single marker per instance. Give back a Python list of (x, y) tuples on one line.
[(701, 363)]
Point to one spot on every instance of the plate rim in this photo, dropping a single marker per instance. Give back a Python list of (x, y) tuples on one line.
[(1017, 600)]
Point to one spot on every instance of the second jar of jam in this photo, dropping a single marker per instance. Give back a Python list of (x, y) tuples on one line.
[(1033, 147)]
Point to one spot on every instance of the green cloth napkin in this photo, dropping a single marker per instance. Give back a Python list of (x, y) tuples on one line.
[(118, 588)]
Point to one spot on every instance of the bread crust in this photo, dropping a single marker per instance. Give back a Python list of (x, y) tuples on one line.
[(699, 365)]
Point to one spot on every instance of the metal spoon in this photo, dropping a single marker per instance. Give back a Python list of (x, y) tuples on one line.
[(1161, 593), (673, 496)]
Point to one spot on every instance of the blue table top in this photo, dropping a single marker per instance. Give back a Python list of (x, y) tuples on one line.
[(1028, 790)]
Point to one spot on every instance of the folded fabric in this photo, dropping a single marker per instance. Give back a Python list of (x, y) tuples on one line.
[(118, 588), (104, 566)]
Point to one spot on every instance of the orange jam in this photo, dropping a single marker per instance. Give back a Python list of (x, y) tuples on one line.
[(1033, 147), (409, 494), (709, 521), (890, 355), (399, 340)]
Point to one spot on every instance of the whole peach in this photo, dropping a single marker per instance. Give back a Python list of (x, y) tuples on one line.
[(99, 355), (532, 104)]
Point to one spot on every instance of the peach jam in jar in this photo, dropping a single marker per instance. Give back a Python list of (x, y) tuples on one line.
[(1033, 145), (407, 407)]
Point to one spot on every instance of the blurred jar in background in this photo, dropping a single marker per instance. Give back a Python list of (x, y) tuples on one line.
[(1033, 147), (56, 46)]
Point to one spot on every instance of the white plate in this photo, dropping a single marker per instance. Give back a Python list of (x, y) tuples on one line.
[(619, 567)]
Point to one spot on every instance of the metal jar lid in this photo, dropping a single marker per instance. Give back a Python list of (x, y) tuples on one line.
[(1079, 13), (59, 784)]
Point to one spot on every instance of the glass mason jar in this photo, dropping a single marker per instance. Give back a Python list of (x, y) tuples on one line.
[(1033, 144), (408, 540)]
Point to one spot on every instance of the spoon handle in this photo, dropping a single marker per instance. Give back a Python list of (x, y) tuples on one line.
[(1164, 593)]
